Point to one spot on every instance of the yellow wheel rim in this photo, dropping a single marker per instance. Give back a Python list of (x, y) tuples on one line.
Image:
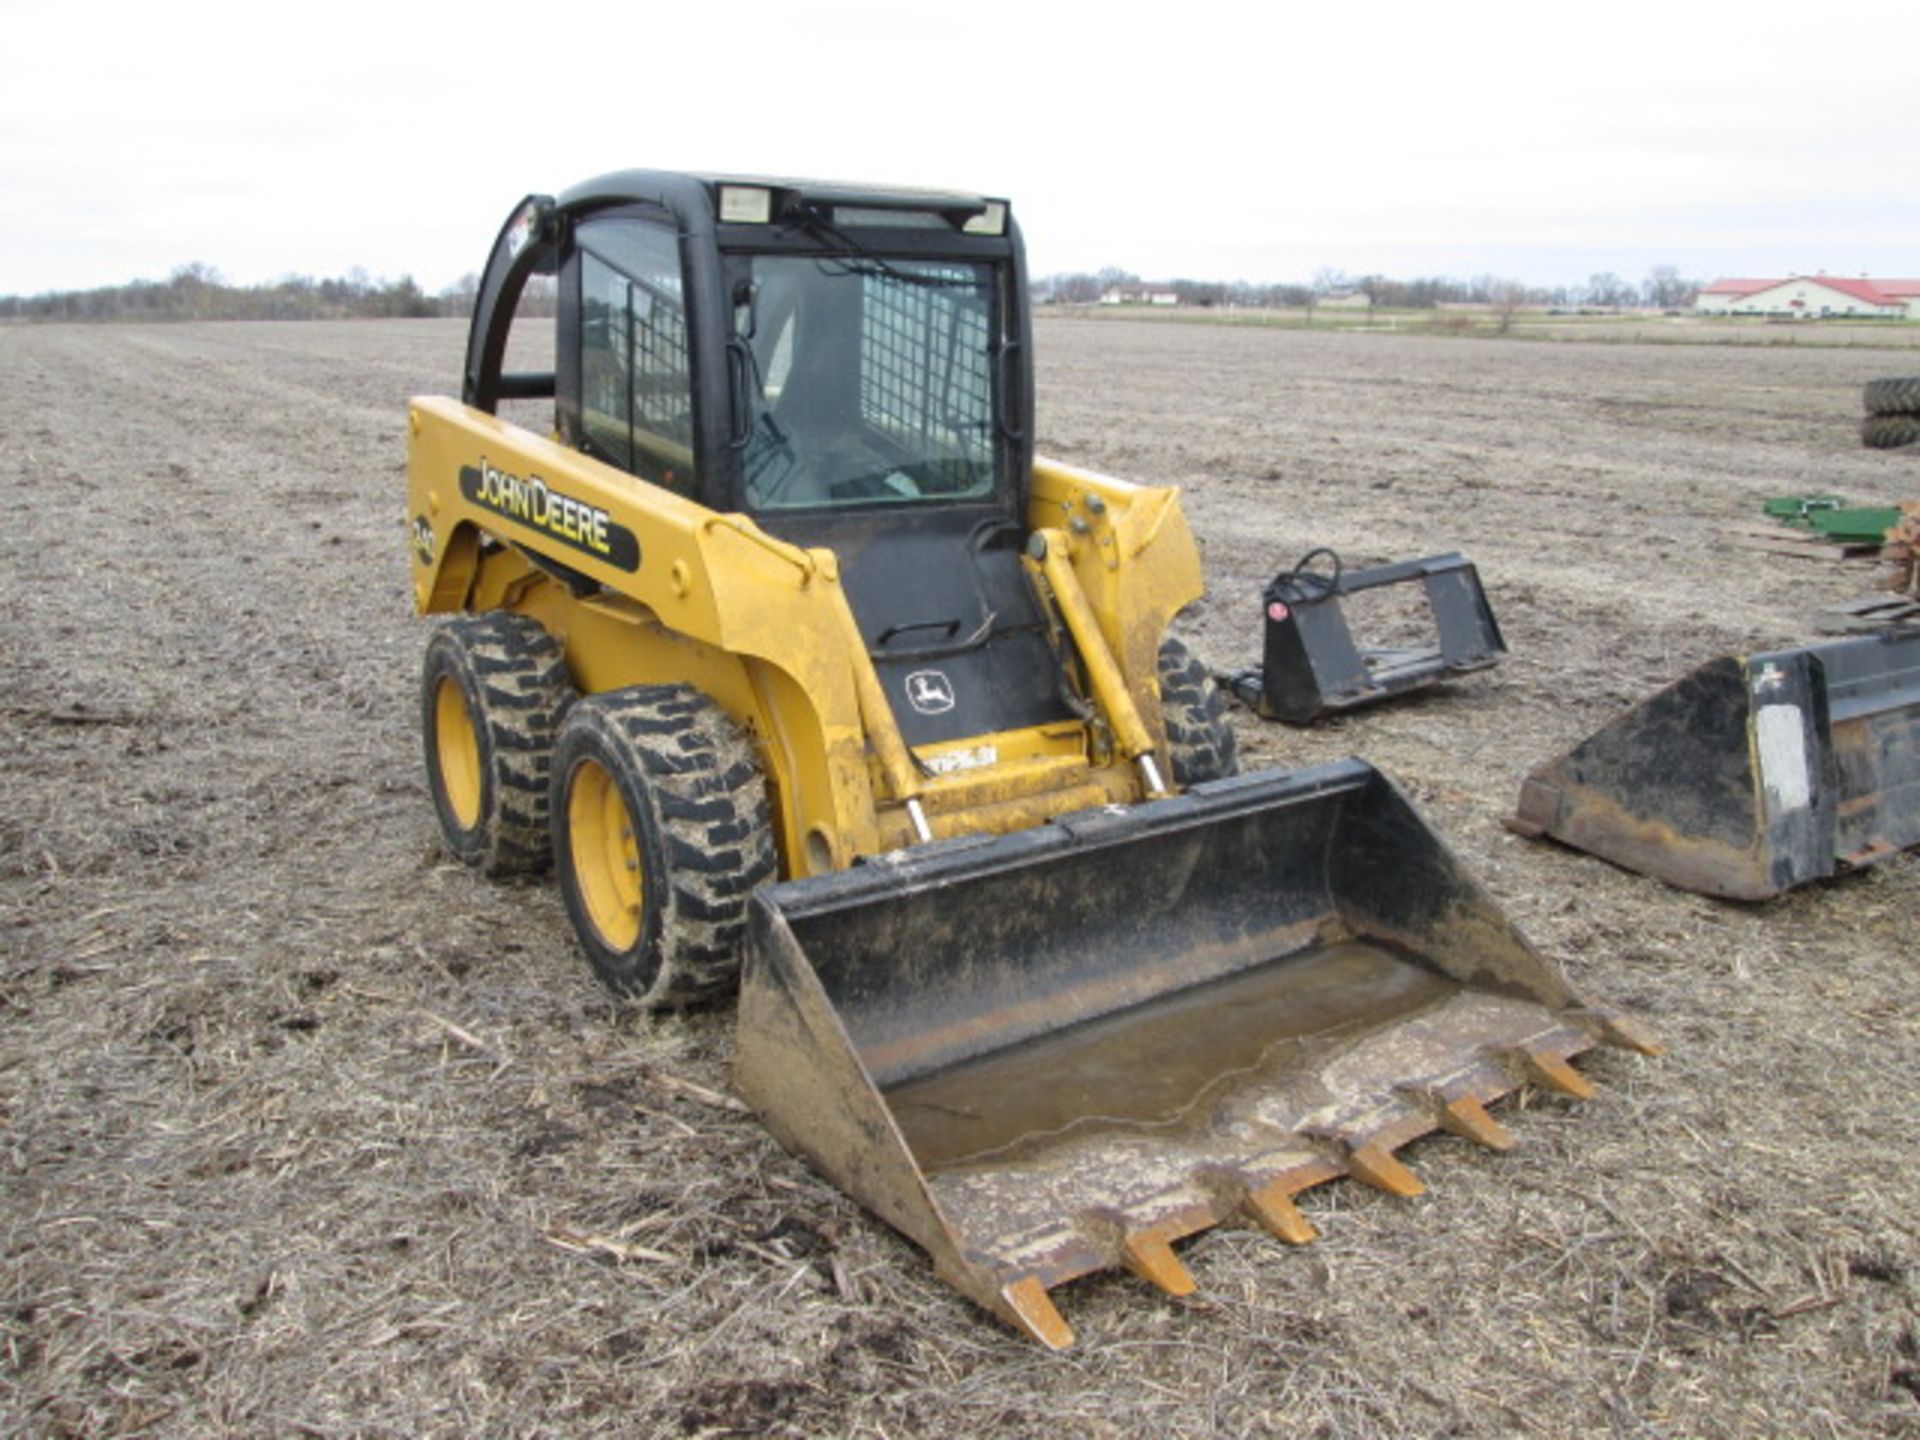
[(606, 856), (458, 749)]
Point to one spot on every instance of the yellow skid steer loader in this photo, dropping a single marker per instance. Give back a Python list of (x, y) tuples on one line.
[(811, 680)]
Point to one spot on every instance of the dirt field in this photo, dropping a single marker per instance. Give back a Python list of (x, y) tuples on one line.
[(306, 1131)]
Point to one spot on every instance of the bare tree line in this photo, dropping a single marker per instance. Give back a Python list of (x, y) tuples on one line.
[(1664, 288), (197, 292)]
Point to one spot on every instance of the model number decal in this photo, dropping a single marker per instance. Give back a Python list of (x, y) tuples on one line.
[(423, 539), (977, 758), (532, 502)]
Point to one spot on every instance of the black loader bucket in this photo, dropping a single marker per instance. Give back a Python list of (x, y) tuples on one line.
[(1312, 664), (1752, 773), (1063, 1050)]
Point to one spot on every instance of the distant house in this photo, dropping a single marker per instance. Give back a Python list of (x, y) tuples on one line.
[(1813, 296), (1345, 300), (1138, 295)]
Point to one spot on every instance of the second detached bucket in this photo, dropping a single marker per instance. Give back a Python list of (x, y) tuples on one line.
[(1752, 773)]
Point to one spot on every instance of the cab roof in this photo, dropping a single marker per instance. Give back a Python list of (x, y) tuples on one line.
[(690, 194)]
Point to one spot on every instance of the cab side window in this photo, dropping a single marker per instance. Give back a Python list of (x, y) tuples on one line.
[(636, 387)]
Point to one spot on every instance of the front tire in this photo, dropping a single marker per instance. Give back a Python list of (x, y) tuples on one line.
[(492, 691), (1200, 739), (660, 834)]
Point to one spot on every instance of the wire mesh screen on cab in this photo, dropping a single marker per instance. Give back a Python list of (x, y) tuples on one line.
[(923, 362)]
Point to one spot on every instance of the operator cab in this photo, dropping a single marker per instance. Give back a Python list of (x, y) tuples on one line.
[(848, 366)]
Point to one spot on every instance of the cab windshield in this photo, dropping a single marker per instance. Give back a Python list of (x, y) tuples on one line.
[(871, 380)]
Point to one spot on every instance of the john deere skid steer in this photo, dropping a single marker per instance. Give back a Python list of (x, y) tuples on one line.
[(812, 680)]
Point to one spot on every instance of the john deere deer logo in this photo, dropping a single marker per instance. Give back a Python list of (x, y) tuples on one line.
[(930, 692)]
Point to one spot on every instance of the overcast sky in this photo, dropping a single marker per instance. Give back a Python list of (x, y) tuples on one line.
[(1204, 140)]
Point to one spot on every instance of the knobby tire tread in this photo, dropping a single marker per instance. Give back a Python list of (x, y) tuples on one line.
[(1200, 739), (518, 674), (1897, 395), (1889, 432), (702, 790)]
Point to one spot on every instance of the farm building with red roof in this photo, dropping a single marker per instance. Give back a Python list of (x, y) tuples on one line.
[(1813, 296)]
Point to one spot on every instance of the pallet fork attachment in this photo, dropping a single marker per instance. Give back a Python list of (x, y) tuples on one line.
[(1312, 665)]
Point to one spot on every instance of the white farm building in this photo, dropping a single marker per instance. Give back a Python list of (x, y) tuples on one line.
[(1139, 295), (1813, 296)]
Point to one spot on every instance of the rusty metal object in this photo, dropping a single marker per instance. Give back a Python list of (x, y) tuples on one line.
[(1751, 774), (1064, 1050), (1903, 549)]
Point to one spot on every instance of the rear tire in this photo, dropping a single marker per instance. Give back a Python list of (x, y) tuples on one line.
[(1200, 739), (1889, 432), (660, 834), (1897, 396), (492, 691)]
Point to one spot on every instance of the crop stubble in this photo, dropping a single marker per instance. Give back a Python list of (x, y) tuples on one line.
[(308, 1131)]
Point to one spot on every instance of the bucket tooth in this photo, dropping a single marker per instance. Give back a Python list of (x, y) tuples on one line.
[(1467, 1117), (1033, 1311), (1553, 1072), (1457, 1109), (1626, 1033), (1375, 1165), (1149, 1255), (1274, 1207)]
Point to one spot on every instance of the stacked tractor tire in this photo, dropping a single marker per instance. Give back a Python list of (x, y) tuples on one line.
[(1893, 413)]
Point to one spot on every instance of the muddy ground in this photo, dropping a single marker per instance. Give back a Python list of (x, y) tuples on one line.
[(306, 1131)]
